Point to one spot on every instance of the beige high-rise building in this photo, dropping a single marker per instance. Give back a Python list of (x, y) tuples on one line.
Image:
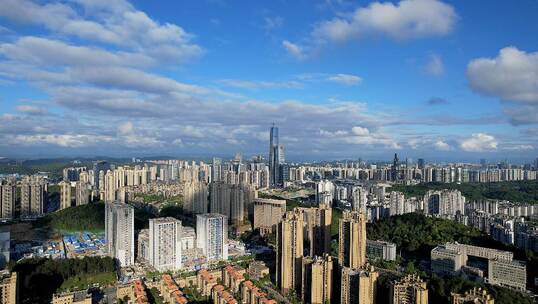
[(8, 288), (82, 193), (318, 229), (358, 285), (317, 285), (195, 197), (8, 195), (352, 239), (475, 295), (289, 252), (65, 194), (267, 214), (33, 195), (411, 289), (231, 200)]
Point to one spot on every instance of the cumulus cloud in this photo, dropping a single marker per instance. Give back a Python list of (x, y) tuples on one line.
[(511, 76), (479, 142), (117, 23), (408, 19), (442, 146), (360, 131), (346, 79), (435, 66)]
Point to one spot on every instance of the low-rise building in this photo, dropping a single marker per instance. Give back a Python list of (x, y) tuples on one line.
[(381, 250), (75, 297), (512, 274), (220, 295), (232, 277), (257, 270), (206, 280), (475, 295)]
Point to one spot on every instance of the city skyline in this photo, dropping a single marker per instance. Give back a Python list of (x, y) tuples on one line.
[(423, 78)]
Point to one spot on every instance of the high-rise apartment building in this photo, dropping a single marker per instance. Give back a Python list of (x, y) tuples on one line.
[(65, 194), (82, 193), (212, 235), (411, 289), (195, 197), (99, 166), (276, 157), (8, 288), (165, 243), (289, 252), (8, 196), (358, 285), (317, 282), (119, 232), (318, 227), (233, 201), (445, 202), (33, 196), (267, 214), (352, 239)]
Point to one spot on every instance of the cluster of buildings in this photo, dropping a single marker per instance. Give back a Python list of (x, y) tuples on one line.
[(165, 243), (419, 172), (31, 201), (502, 269)]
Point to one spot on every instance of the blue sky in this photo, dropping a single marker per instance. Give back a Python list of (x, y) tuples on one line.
[(444, 80)]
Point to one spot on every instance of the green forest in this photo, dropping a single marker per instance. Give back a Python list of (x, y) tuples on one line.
[(41, 278), (90, 217), (516, 191)]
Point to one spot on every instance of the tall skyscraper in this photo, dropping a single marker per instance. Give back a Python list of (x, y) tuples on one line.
[(318, 224), (8, 194), (119, 232), (99, 166), (33, 196), (65, 194), (276, 156), (289, 252), (317, 283), (165, 243), (421, 163), (395, 169), (411, 289), (352, 239), (212, 235), (82, 193)]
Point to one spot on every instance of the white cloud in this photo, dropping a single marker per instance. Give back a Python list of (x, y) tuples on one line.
[(293, 49), (479, 142), (519, 148), (511, 76), (346, 79), (435, 66), (62, 140), (117, 23), (442, 146), (32, 110), (406, 20), (360, 131)]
